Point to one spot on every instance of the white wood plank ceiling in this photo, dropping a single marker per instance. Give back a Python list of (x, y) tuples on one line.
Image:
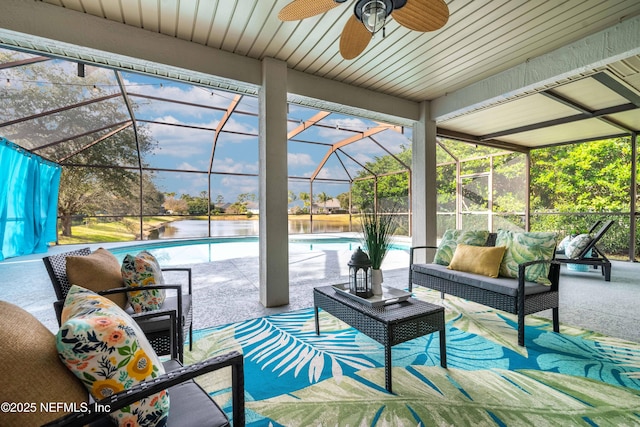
[(482, 38)]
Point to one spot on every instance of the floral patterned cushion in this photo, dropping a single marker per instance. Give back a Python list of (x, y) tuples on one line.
[(575, 247), (107, 351), (139, 271), (450, 240), (524, 247)]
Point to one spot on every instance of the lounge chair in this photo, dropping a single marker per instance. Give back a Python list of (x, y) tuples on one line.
[(591, 254)]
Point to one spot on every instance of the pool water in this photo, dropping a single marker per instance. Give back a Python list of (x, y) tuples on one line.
[(218, 249)]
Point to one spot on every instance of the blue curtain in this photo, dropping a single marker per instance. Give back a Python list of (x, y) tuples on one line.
[(28, 201)]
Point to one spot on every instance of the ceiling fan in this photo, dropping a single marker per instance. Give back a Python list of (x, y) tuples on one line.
[(369, 17)]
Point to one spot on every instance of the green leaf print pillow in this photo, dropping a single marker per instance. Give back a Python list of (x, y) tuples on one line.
[(450, 240), (525, 247)]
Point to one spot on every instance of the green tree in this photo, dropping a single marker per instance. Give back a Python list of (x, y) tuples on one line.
[(393, 189), (240, 205), (343, 198), (306, 199)]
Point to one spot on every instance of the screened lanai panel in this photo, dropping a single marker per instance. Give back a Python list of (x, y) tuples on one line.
[(179, 184), (65, 124), (298, 115), (242, 125), (351, 163), (175, 147), (248, 104), (171, 112), (509, 191), (61, 151), (236, 154), (350, 123), (157, 88), (332, 190), (324, 134), (113, 192), (235, 194), (333, 169), (365, 152), (118, 149), (395, 139), (44, 86), (303, 158)]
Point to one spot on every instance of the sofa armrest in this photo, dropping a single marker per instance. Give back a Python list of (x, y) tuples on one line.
[(163, 382), (411, 262), (554, 277), (412, 251)]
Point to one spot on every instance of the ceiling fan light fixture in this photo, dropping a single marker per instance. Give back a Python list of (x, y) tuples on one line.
[(373, 13)]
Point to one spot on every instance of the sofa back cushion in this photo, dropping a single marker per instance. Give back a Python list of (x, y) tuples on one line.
[(451, 238), (524, 247)]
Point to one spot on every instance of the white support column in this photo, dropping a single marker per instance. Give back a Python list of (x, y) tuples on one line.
[(423, 169), (274, 232)]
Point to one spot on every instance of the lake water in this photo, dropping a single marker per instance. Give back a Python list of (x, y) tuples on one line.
[(189, 228)]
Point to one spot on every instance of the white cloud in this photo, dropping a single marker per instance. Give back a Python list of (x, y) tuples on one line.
[(229, 165), (299, 159)]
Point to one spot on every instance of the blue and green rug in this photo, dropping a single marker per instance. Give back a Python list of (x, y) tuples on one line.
[(295, 378)]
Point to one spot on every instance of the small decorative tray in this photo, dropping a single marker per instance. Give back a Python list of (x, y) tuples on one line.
[(389, 296)]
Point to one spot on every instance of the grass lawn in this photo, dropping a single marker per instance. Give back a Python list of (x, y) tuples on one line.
[(118, 231)]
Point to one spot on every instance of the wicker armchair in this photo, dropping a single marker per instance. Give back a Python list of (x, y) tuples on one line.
[(33, 375), (157, 324), (190, 404)]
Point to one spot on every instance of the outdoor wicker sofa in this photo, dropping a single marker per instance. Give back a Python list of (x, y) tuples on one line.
[(515, 296)]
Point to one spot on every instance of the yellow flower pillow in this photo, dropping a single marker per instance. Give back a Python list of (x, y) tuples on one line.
[(105, 348), (140, 271)]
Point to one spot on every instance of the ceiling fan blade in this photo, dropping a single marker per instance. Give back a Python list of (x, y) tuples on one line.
[(300, 9), (422, 15), (354, 39)]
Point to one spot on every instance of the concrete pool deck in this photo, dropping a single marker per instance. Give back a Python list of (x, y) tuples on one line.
[(227, 291)]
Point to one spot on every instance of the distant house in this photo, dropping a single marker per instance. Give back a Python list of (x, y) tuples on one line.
[(331, 206), (253, 207)]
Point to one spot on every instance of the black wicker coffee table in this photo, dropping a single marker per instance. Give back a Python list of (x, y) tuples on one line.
[(389, 325)]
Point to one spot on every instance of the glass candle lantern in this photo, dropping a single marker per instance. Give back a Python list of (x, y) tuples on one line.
[(360, 274)]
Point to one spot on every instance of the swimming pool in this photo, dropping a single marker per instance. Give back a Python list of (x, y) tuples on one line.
[(218, 249)]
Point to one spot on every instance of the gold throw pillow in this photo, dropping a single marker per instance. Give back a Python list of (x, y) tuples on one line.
[(483, 260), (97, 272)]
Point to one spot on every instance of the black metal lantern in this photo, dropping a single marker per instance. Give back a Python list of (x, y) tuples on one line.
[(360, 274)]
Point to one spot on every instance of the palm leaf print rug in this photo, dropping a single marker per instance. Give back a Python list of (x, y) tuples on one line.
[(295, 378)]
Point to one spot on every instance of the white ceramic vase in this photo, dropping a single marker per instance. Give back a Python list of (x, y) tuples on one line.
[(376, 281)]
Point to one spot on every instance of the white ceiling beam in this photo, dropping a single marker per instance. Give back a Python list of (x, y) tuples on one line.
[(612, 44)]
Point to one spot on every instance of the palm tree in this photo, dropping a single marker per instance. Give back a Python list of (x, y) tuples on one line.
[(323, 198), (306, 199)]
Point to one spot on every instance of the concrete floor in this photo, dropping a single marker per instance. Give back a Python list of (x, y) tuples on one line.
[(228, 291)]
